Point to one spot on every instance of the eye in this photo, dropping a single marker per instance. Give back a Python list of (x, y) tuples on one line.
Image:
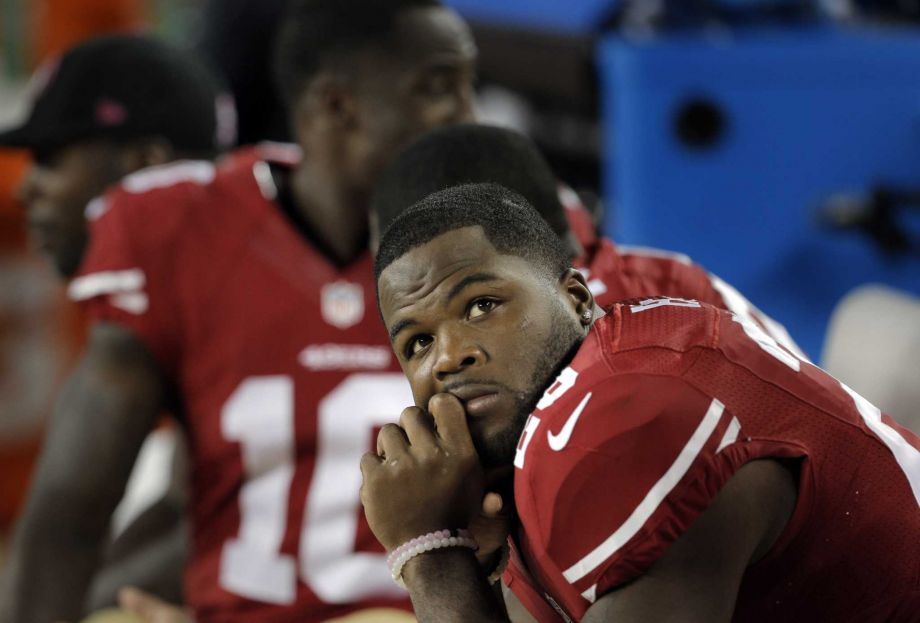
[(416, 345), (439, 84), (481, 307)]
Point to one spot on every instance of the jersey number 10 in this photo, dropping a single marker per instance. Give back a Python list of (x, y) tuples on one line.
[(260, 416)]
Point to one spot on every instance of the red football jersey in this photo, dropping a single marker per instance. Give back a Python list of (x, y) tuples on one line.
[(616, 273), (284, 371), (662, 404)]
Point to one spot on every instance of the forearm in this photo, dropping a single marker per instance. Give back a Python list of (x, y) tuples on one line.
[(448, 585), (100, 421), (51, 562), (153, 564)]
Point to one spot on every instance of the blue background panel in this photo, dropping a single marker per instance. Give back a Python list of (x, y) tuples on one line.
[(808, 114), (573, 16)]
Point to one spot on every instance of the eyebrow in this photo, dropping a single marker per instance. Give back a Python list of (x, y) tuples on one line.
[(399, 326), (467, 281), (454, 291)]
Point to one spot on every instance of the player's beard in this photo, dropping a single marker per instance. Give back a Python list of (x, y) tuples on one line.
[(555, 353)]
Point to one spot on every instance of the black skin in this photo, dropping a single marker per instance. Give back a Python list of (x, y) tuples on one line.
[(63, 179), (104, 413), (428, 473), (350, 120)]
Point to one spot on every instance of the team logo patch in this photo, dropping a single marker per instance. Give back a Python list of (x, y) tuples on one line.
[(342, 304)]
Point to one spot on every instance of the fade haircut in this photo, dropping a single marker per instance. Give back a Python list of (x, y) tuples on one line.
[(510, 224), (468, 153), (316, 32)]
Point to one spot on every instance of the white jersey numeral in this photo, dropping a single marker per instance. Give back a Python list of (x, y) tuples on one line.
[(260, 415), (347, 418)]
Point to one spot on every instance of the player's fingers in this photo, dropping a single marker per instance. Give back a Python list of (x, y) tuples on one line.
[(368, 462), (418, 426), (391, 442), (450, 420), (151, 609), (492, 504)]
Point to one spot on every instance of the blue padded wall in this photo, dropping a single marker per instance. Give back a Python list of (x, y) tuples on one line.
[(572, 16), (806, 114)]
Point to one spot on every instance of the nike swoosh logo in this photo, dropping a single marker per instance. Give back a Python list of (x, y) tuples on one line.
[(558, 442)]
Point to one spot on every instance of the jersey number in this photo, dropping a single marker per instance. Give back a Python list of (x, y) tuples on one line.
[(260, 416)]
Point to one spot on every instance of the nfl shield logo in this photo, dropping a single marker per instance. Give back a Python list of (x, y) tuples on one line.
[(342, 304)]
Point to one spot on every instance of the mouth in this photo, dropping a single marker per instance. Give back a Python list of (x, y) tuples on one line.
[(477, 399)]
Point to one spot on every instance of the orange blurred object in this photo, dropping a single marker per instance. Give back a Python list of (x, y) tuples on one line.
[(62, 24), (41, 332)]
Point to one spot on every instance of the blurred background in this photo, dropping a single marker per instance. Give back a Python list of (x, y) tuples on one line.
[(776, 142)]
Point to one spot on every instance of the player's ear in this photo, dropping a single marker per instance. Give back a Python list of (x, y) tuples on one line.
[(334, 98), (326, 105), (578, 296)]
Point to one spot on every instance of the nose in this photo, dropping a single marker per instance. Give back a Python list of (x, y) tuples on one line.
[(456, 353)]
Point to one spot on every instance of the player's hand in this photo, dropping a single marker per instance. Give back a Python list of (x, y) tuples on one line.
[(151, 609), (492, 525), (425, 476)]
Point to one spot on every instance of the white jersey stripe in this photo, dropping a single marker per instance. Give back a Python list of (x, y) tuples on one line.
[(107, 282), (652, 500), (737, 303), (907, 456), (731, 434)]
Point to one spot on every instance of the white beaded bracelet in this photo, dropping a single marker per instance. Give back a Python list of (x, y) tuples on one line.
[(398, 558)]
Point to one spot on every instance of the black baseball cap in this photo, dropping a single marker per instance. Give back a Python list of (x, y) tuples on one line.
[(125, 87)]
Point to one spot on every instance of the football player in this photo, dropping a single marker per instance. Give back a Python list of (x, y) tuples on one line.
[(241, 297), (477, 153), (106, 108), (671, 462)]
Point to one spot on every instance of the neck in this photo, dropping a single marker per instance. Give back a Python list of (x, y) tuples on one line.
[(337, 217)]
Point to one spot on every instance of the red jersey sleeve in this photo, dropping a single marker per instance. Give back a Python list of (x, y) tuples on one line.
[(130, 273), (641, 463), (653, 272)]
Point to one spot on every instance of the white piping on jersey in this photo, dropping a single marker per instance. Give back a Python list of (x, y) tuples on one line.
[(652, 501), (739, 305), (625, 249), (591, 594), (264, 180), (132, 302), (285, 153), (197, 171), (906, 456), (96, 208), (569, 198), (107, 282), (731, 434)]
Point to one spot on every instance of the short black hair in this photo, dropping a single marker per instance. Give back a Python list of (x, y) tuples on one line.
[(467, 153), (511, 224), (315, 32)]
